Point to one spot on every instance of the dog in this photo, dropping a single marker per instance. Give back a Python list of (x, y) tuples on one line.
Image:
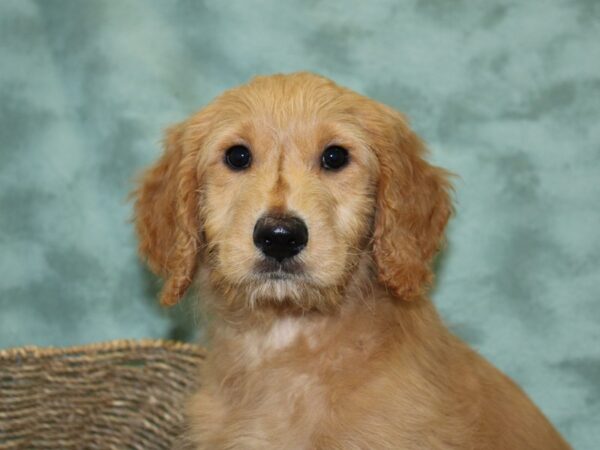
[(308, 218)]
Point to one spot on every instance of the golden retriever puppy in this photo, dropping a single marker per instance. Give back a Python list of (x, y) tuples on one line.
[(308, 218)]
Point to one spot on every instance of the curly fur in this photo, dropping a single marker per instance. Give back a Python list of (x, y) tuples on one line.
[(350, 353)]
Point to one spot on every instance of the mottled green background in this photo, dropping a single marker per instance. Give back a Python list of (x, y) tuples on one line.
[(507, 94)]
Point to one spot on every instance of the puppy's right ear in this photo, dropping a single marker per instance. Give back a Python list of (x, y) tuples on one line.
[(166, 215)]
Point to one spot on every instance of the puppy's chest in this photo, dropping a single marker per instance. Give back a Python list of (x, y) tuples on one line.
[(280, 364), (298, 387), (269, 394)]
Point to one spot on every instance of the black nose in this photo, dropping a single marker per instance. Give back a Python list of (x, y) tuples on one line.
[(280, 237)]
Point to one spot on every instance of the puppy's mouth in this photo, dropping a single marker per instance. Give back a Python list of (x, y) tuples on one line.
[(270, 269)]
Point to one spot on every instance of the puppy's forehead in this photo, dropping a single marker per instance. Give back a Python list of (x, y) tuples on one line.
[(287, 101), (286, 110)]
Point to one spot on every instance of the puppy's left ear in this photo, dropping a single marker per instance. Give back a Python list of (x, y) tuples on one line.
[(166, 216), (413, 207)]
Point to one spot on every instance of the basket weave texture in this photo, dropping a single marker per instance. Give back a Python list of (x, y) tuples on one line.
[(117, 395)]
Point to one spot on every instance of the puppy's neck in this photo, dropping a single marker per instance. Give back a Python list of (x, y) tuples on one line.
[(365, 316), (366, 320)]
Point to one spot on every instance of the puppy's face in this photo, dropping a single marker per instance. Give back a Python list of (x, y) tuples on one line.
[(279, 189), (288, 193)]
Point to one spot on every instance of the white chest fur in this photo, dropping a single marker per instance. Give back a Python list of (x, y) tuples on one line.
[(281, 335)]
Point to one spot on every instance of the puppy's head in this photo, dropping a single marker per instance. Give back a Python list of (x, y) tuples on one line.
[(280, 189)]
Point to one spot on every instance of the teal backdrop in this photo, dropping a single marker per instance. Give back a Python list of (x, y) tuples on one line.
[(506, 93)]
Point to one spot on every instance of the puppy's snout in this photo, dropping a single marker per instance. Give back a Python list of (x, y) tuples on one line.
[(280, 237)]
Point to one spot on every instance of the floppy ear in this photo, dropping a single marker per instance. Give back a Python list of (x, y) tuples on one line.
[(413, 207), (166, 216)]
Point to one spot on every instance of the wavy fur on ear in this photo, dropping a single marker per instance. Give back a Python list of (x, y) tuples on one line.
[(166, 216), (413, 207)]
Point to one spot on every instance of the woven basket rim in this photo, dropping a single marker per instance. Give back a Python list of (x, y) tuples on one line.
[(101, 347), (127, 393)]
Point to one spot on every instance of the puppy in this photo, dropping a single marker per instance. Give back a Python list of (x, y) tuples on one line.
[(309, 219)]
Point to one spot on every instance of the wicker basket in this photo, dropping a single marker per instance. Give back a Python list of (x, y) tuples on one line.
[(118, 395)]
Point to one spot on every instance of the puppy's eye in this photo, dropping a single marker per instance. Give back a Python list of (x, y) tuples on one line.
[(334, 157), (238, 157)]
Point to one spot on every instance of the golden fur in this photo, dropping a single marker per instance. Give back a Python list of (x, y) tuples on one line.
[(350, 354)]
